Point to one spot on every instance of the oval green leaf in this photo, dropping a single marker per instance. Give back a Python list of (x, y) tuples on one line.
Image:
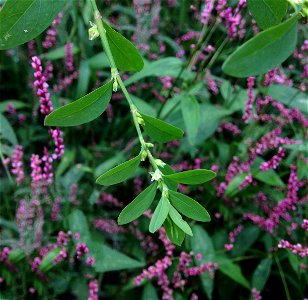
[(192, 176), (261, 274), (174, 233), (264, 51), (160, 131), (23, 21), (120, 172), (189, 207), (160, 214), (178, 220), (191, 115), (138, 206), (267, 13), (125, 54), (47, 261), (83, 110)]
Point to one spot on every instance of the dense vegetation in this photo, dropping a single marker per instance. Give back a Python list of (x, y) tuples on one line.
[(163, 159)]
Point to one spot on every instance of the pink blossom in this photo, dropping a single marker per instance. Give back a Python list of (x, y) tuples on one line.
[(69, 61), (82, 249), (51, 37), (274, 161), (248, 110), (41, 86), (93, 290), (17, 165)]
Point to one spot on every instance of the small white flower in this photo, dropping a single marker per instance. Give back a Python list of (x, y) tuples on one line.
[(160, 163), (157, 175)]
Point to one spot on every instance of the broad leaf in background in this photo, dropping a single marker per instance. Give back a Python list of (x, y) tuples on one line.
[(108, 259), (84, 79), (267, 13), (174, 233), (245, 240), (178, 220), (138, 206), (191, 115), (289, 96), (160, 131), (16, 104), (120, 172), (233, 186), (47, 262), (163, 67), (125, 54), (227, 267), (160, 214), (59, 53), (149, 292), (261, 274), (23, 21), (269, 177), (78, 224), (83, 110), (264, 51), (202, 243), (189, 207), (6, 131), (192, 176)]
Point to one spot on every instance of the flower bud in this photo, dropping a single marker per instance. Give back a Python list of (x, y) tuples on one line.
[(93, 32)]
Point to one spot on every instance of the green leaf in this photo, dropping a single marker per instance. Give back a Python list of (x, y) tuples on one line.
[(192, 176), (167, 66), (167, 170), (160, 214), (138, 206), (78, 224), (261, 274), (149, 292), (143, 106), (83, 80), (83, 110), (233, 186), (7, 131), (47, 261), (58, 53), (120, 172), (174, 233), (160, 131), (232, 270), (245, 240), (25, 21), (288, 96), (178, 220), (16, 104), (202, 243), (191, 115), (269, 177), (126, 56), (189, 207), (264, 51), (16, 255), (267, 13), (108, 259)]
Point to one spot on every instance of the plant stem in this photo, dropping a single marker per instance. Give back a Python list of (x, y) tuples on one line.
[(133, 109), (5, 167), (284, 282)]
